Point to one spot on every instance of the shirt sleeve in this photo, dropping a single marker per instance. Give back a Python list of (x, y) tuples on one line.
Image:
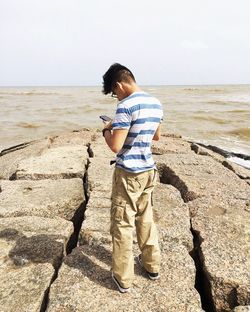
[(122, 119)]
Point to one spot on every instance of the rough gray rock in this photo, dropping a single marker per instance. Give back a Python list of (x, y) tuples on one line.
[(77, 137), (242, 172), (200, 176), (34, 239), (56, 163), (89, 265), (242, 309), (170, 145), (95, 227), (204, 190), (100, 174), (98, 149), (218, 200), (84, 283), (9, 161), (225, 252), (30, 250), (45, 198), (23, 289)]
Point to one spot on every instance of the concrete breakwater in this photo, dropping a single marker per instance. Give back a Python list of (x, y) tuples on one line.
[(55, 247)]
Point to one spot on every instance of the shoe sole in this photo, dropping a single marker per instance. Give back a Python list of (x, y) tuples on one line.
[(153, 278), (121, 289)]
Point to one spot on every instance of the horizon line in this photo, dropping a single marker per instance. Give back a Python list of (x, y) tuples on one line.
[(142, 85)]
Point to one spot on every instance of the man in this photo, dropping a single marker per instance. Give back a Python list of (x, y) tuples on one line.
[(130, 134)]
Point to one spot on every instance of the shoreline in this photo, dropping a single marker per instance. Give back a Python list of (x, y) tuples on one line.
[(240, 159)]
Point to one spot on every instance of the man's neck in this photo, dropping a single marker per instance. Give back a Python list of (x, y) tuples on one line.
[(131, 88)]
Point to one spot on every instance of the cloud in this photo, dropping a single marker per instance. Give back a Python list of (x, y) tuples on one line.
[(194, 45)]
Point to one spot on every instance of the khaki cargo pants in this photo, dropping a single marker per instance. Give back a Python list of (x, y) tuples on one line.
[(132, 205)]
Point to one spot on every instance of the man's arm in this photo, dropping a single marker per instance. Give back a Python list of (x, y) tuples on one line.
[(116, 139), (157, 134)]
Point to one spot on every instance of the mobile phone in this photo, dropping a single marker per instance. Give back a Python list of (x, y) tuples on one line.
[(105, 118)]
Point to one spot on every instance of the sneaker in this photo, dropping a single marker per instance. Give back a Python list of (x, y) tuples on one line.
[(152, 276), (121, 289)]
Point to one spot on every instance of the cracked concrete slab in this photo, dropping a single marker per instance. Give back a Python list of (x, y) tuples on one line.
[(100, 174), (84, 284), (168, 207), (95, 227), (77, 137), (225, 249), (218, 201), (26, 290), (10, 161), (99, 148), (242, 172), (171, 145), (23, 235), (242, 309), (199, 176), (30, 250), (55, 163), (89, 265), (45, 198)]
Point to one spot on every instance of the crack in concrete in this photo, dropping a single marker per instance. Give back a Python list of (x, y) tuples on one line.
[(222, 152), (77, 220), (202, 283), (168, 176), (15, 148), (227, 165), (195, 147), (45, 301)]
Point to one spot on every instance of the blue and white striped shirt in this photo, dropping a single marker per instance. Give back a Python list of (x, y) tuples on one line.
[(141, 114)]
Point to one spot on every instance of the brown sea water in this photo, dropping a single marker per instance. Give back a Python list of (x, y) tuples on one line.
[(216, 115)]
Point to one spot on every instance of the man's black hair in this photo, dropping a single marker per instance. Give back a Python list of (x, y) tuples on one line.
[(116, 73)]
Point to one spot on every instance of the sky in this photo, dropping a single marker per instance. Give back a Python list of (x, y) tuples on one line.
[(163, 42)]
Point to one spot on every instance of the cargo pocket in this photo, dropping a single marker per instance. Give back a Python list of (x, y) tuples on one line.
[(135, 184), (117, 213)]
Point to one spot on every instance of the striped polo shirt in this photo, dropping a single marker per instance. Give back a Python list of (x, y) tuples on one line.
[(141, 114)]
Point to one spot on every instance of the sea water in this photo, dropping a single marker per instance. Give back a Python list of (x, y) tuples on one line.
[(217, 114)]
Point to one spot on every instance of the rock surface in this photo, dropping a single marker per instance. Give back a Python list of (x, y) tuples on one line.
[(218, 200), (31, 249), (44, 198), (201, 210), (55, 163), (242, 309), (88, 267)]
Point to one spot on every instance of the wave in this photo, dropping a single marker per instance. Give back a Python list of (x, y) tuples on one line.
[(241, 132), (29, 93), (236, 111), (225, 102), (205, 89), (28, 125), (212, 119), (39, 93)]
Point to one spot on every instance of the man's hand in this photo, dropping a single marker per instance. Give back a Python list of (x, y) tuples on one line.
[(108, 125)]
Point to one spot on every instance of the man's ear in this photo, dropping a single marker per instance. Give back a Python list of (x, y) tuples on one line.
[(119, 85)]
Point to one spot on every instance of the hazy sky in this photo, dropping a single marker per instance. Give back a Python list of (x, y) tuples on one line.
[(73, 42)]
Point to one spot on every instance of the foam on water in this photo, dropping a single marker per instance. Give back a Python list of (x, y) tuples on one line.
[(240, 161)]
